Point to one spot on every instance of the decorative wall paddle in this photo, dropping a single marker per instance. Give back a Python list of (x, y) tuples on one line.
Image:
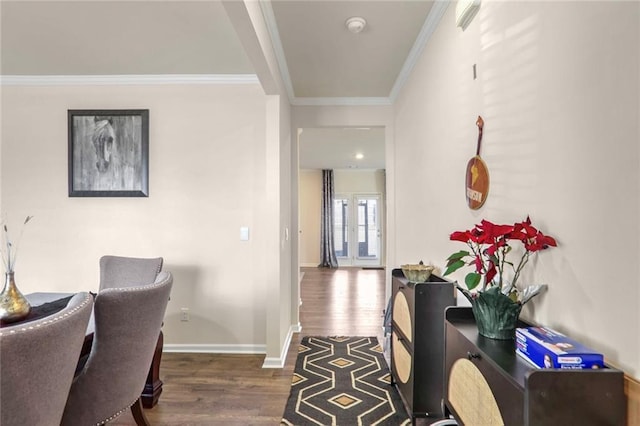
[(477, 181)]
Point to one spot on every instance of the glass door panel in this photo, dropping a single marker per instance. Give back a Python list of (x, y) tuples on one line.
[(341, 227), (356, 229), (368, 229)]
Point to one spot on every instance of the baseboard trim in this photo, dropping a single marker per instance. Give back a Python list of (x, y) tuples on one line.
[(272, 362), (269, 362), (215, 349)]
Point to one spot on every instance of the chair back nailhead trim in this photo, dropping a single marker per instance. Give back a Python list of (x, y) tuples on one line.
[(48, 321)]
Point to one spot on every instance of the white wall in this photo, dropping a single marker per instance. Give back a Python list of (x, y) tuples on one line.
[(281, 311), (359, 181), (310, 199), (558, 88), (279, 262), (207, 178)]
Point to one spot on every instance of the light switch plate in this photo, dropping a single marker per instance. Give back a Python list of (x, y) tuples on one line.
[(244, 233)]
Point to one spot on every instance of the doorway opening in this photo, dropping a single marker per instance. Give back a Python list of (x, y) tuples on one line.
[(357, 229), (356, 155)]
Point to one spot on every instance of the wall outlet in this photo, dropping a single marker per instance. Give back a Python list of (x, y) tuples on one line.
[(184, 314)]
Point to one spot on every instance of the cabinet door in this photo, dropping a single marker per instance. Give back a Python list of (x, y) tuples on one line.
[(477, 375), (402, 368), (403, 310)]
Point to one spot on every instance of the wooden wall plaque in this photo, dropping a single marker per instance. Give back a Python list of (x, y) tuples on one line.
[(477, 178)]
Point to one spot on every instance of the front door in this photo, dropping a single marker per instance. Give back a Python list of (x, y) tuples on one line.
[(357, 234)]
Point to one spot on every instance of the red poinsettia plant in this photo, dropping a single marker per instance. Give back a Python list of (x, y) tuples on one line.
[(489, 246)]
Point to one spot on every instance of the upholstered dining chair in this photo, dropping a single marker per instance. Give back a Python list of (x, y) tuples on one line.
[(120, 271), (127, 324), (38, 361)]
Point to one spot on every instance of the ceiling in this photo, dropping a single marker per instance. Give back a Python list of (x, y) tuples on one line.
[(74, 38), (325, 60), (343, 144), (320, 61)]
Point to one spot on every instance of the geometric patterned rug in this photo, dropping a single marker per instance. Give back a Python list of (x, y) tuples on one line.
[(342, 381)]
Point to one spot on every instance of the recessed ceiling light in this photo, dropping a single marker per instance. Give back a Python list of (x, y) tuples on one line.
[(359, 156)]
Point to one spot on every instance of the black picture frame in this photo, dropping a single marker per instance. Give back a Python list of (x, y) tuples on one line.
[(108, 152)]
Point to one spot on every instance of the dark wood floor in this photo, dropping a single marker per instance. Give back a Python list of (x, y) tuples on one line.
[(216, 389)]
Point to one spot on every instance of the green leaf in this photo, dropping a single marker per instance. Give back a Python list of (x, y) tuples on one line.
[(454, 266), (458, 255), (472, 280), (452, 261)]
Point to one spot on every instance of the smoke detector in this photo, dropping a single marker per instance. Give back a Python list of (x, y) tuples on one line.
[(355, 24)]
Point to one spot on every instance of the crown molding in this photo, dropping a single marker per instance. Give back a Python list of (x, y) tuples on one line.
[(108, 80), (433, 19), (278, 50), (430, 24), (363, 101)]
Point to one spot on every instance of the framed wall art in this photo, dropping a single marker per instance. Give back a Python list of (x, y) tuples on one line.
[(108, 153)]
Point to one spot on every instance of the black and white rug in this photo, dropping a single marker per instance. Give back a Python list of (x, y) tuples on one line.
[(343, 381)]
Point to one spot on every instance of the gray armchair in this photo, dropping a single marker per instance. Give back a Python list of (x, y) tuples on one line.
[(127, 324), (38, 362), (118, 271)]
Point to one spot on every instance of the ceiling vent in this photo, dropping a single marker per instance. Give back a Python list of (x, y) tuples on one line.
[(465, 11)]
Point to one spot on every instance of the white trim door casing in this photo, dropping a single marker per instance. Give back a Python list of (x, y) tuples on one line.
[(358, 230)]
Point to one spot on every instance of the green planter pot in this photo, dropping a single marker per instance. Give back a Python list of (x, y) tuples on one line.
[(496, 314)]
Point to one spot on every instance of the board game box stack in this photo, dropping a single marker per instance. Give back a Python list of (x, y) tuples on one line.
[(547, 348)]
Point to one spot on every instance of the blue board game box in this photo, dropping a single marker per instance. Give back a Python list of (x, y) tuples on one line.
[(547, 348)]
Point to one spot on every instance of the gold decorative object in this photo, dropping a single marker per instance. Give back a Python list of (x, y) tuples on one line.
[(417, 273), (13, 305)]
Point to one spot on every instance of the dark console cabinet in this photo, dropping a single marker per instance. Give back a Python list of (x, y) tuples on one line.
[(417, 341), (486, 382)]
